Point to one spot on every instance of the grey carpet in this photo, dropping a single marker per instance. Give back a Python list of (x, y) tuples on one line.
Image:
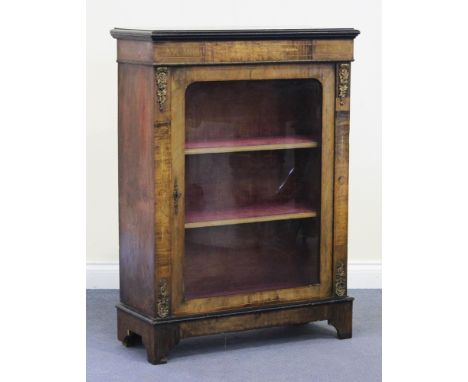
[(292, 354)]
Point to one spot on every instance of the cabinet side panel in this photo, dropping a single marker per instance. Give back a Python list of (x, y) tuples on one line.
[(136, 187), (134, 51)]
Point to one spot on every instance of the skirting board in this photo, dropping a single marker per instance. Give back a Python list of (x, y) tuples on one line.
[(361, 275)]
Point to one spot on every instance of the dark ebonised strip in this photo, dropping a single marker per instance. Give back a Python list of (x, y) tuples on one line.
[(223, 35)]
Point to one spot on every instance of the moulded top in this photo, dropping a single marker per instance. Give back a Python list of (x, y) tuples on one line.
[(239, 34)]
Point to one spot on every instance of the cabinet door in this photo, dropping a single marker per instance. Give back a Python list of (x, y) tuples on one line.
[(252, 170)]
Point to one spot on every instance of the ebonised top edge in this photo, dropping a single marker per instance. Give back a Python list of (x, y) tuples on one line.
[(239, 34)]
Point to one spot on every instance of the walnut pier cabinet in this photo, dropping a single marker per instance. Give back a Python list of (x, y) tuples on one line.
[(233, 182)]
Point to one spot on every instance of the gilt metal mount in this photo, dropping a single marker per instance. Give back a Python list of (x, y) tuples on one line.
[(340, 279), (343, 82), (163, 299), (161, 82)]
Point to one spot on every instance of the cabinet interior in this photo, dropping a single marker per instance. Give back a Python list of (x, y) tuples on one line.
[(252, 186)]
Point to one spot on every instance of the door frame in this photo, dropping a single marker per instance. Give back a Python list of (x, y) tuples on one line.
[(180, 79)]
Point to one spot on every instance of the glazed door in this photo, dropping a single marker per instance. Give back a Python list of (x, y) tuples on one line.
[(252, 168)]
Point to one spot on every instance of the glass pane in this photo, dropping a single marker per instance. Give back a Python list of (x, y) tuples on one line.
[(252, 181), (253, 112), (245, 184), (241, 258)]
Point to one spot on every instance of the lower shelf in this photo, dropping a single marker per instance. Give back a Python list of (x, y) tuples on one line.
[(252, 214)]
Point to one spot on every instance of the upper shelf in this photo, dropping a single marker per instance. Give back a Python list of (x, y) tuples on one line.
[(239, 34), (249, 144)]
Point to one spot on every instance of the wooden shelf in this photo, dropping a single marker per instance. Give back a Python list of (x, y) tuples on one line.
[(255, 214), (249, 144)]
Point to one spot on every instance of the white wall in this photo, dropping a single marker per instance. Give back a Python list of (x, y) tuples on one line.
[(365, 139)]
